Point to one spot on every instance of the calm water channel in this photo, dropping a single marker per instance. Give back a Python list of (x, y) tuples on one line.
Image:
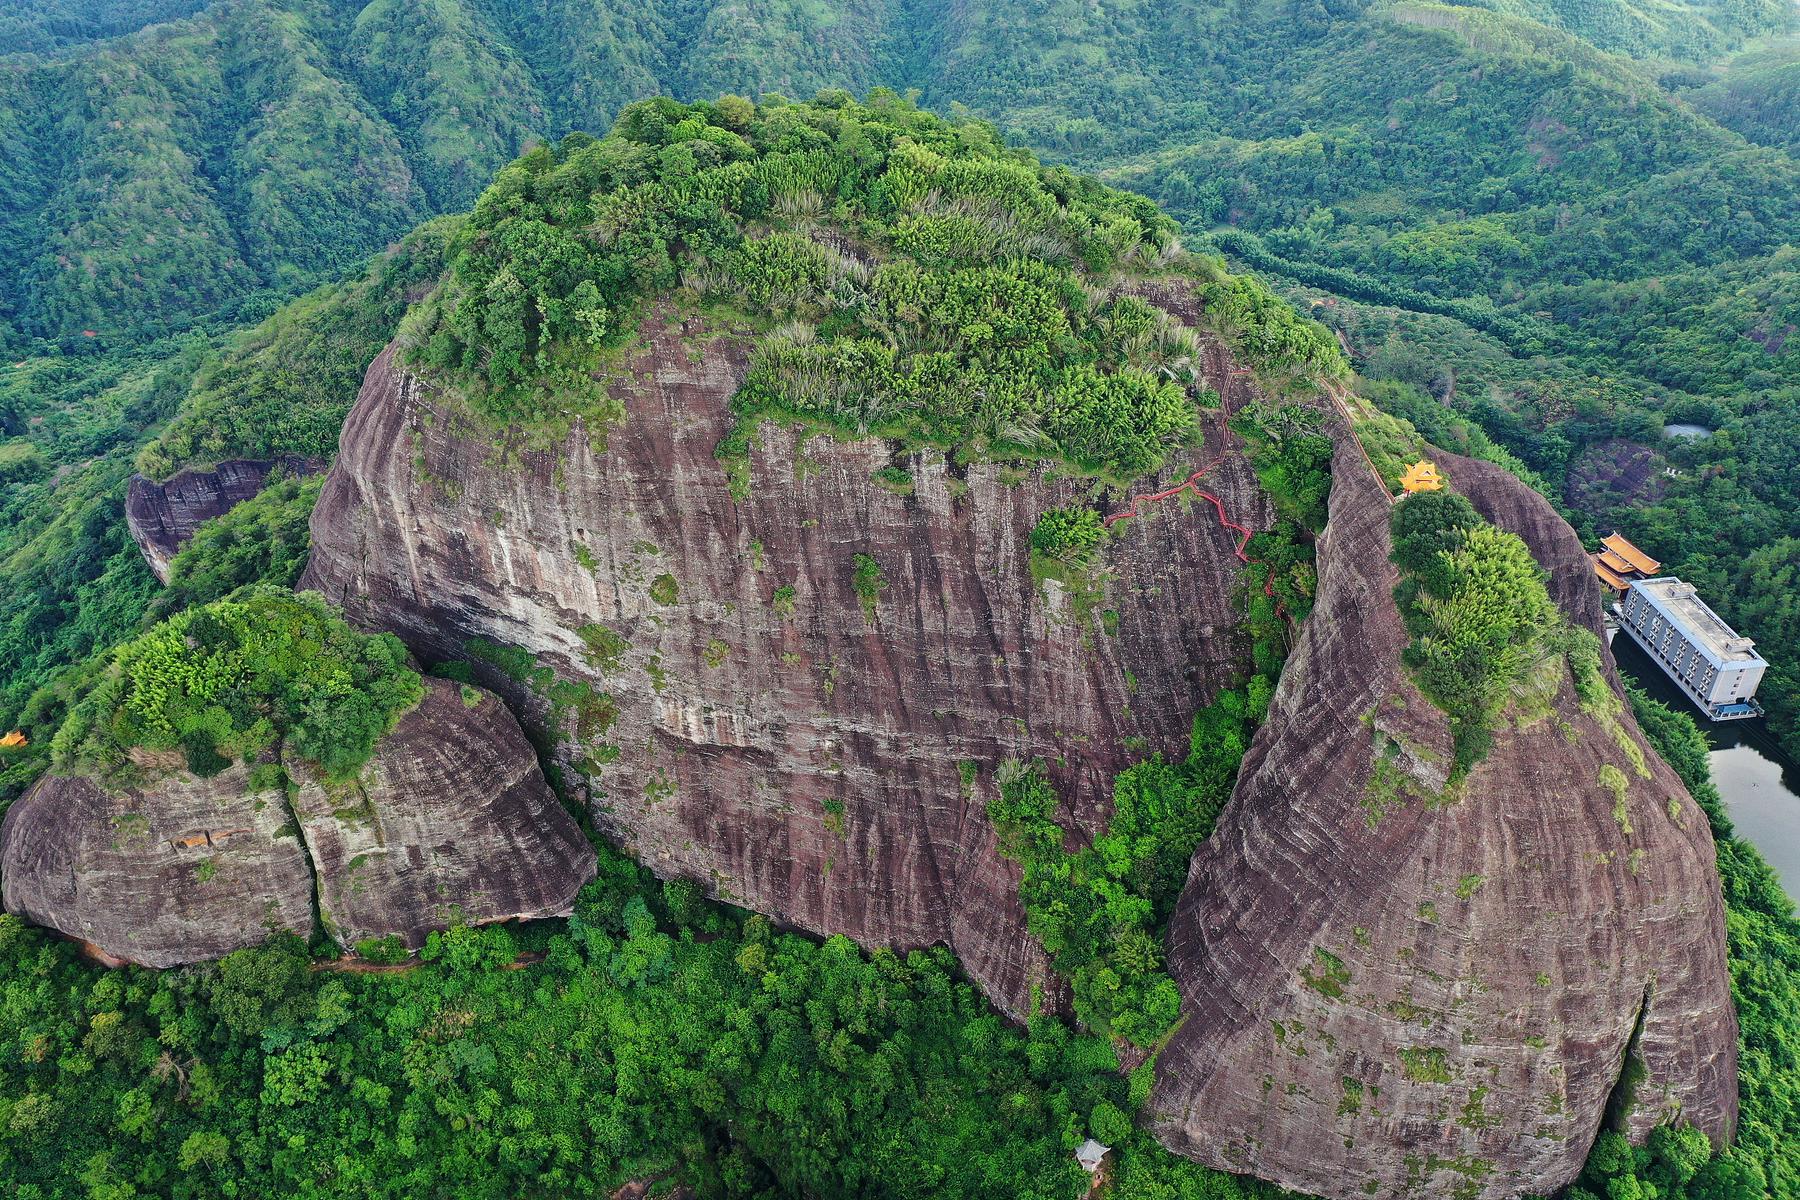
[(1760, 784)]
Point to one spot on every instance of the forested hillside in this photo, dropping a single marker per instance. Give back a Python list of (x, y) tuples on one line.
[(1759, 96), (1568, 246), (653, 1035), (1557, 224), (171, 173)]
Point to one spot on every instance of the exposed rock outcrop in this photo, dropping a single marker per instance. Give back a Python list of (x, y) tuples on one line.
[(1381, 991), (183, 870), (163, 516), (1385, 993), (789, 743), (451, 819), (1613, 472)]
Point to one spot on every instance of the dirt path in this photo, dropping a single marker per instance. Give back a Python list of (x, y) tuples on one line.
[(362, 966)]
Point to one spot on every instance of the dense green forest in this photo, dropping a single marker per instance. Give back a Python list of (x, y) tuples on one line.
[(1568, 222), (1537, 225)]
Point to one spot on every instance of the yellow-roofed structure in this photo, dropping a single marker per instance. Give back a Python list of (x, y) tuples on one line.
[(1619, 563), (13, 740), (1422, 476), (1640, 562)]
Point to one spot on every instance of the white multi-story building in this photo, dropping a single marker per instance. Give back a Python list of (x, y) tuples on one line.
[(1705, 657)]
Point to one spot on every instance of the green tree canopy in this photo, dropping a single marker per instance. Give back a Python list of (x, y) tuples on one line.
[(230, 679)]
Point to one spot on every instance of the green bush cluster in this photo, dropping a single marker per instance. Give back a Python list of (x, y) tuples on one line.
[(867, 581), (229, 680), (915, 278), (1291, 455), (1100, 912), (653, 1035), (264, 539), (1069, 534), (1476, 606)]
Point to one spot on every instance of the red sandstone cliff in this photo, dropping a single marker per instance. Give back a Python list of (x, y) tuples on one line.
[(450, 820), (803, 762), (1385, 993), (1437, 1001)]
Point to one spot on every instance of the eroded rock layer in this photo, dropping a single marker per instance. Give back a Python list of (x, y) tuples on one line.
[(450, 820), (813, 751), (183, 870), (163, 516), (1382, 991), (1385, 993)]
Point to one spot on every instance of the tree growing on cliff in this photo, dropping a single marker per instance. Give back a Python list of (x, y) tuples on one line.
[(1475, 603), (1100, 912)]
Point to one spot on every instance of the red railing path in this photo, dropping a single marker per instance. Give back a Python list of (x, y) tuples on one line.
[(1192, 482)]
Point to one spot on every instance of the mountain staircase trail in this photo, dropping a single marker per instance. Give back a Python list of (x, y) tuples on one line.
[(1192, 483)]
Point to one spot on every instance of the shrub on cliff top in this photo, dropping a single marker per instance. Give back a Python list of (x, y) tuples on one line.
[(916, 278), (1475, 603), (228, 680)]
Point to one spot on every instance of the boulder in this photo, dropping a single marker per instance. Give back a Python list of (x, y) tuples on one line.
[(450, 821)]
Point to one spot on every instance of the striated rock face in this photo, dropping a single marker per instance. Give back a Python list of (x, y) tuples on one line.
[(1385, 994), (184, 870), (450, 820), (790, 744), (1382, 992), (163, 516)]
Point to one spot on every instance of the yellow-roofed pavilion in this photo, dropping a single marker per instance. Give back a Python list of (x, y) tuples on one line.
[(1638, 560), (1422, 476)]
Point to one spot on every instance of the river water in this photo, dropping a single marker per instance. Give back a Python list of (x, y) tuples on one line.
[(1760, 784)]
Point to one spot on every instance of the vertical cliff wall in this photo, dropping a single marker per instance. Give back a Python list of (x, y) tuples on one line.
[(1384, 992), (797, 746), (163, 516)]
